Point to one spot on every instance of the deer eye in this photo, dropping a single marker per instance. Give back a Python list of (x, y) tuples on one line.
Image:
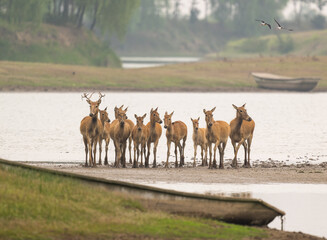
[(169, 119), (241, 111)]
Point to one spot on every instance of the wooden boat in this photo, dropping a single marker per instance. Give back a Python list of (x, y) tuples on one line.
[(272, 81), (245, 211)]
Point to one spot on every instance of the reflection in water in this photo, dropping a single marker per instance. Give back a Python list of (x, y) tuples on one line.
[(304, 204), (45, 126)]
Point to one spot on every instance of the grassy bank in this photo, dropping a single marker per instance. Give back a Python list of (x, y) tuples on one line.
[(36, 205), (226, 74), (54, 44)]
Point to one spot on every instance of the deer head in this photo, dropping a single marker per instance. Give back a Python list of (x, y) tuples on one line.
[(242, 113), (139, 122), (209, 117), (195, 123), (154, 116), (167, 119), (104, 116)]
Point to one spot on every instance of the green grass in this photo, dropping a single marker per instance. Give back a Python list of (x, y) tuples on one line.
[(35, 205), (207, 75)]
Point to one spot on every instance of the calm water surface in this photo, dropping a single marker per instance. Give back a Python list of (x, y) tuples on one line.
[(290, 127)]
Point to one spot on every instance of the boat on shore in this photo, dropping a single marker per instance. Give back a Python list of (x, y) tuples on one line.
[(277, 82), (245, 211)]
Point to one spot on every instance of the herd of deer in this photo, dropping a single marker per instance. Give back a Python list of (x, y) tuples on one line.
[(95, 130)]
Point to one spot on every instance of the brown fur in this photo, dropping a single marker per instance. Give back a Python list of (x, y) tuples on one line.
[(199, 139), (217, 134), (91, 128), (176, 131), (131, 125), (242, 128), (155, 131), (119, 133), (105, 121), (140, 135)]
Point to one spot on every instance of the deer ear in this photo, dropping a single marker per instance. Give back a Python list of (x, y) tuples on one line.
[(121, 106), (213, 109), (234, 106), (126, 109), (105, 109), (144, 116), (172, 113), (244, 105), (156, 109), (135, 116), (198, 118), (166, 113), (204, 110), (151, 110), (88, 101), (192, 119)]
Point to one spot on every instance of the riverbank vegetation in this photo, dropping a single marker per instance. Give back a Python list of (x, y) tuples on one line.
[(212, 75)]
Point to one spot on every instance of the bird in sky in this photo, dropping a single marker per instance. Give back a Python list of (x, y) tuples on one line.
[(263, 23), (281, 27)]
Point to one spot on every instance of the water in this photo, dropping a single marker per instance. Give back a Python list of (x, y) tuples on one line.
[(145, 62), (304, 204), (290, 127)]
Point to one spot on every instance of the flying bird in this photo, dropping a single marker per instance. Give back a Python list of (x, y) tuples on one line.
[(263, 23), (281, 27)]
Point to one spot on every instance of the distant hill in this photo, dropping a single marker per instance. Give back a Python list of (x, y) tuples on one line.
[(53, 44), (311, 43)]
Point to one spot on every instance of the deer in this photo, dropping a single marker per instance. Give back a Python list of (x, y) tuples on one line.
[(140, 135), (105, 121), (242, 128), (155, 131), (199, 139), (176, 131), (91, 128), (119, 133), (217, 134), (131, 124)]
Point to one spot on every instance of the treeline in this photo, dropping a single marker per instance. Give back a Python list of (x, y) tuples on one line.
[(109, 16)]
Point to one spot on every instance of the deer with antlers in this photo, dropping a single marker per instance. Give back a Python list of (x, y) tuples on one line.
[(176, 131), (242, 128), (217, 134), (91, 128), (120, 131), (155, 131), (199, 139), (105, 121), (140, 135)]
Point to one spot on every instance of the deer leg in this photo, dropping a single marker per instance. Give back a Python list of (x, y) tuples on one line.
[(100, 150), (221, 153), (155, 153), (148, 155), (183, 149), (94, 152), (106, 157), (86, 150), (245, 153), (142, 152), (130, 148), (134, 162), (123, 157), (234, 162), (117, 153), (181, 162), (90, 152), (176, 162), (238, 147), (195, 148), (168, 152), (214, 164), (206, 155), (210, 154)]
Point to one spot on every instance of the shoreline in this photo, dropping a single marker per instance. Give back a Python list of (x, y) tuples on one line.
[(261, 174)]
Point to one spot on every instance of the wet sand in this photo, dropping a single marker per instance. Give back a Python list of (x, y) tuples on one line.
[(262, 173)]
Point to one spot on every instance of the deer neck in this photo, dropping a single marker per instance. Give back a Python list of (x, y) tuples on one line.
[(153, 123), (170, 128), (239, 122)]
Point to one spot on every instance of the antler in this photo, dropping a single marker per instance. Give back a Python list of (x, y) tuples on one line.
[(101, 95), (85, 95)]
